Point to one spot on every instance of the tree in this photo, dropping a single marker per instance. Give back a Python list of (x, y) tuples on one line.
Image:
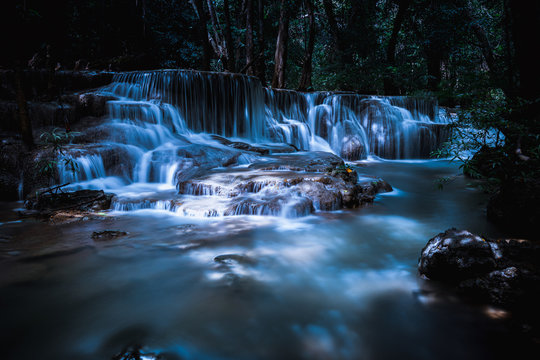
[(307, 68), (250, 51), (389, 83), (280, 58), (203, 19), (261, 68)]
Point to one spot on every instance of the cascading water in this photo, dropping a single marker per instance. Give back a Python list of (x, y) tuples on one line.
[(158, 133)]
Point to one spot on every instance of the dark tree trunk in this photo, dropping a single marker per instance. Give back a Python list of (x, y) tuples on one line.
[(280, 58), (389, 83), (203, 33), (334, 31), (228, 38), (24, 121), (486, 48), (305, 79), (250, 52), (219, 45), (433, 59), (433, 47), (261, 68)]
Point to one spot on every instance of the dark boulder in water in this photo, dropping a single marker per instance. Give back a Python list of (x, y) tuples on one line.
[(503, 272), (456, 255)]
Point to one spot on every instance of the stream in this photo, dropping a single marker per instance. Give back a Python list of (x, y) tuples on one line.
[(333, 285)]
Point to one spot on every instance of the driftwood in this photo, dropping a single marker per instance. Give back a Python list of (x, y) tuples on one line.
[(51, 189)]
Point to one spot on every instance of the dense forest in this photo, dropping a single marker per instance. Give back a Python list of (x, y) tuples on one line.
[(477, 57), (458, 50)]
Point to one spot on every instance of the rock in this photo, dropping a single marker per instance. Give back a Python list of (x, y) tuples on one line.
[(198, 159), (288, 193), (313, 161), (263, 149), (353, 148), (86, 200), (499, 287), (271, 204), (344, 172), (107, 235), (504, 272), (234, 259), (456, 255)]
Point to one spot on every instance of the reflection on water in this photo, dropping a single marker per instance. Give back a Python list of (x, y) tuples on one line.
[(339, 285)]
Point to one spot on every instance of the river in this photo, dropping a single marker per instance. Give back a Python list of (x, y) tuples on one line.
[(333, 285)]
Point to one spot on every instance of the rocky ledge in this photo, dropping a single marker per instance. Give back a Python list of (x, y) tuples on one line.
[(503, 272), (61, 207)]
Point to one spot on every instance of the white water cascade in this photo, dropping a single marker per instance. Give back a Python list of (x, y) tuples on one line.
[(161, 129)]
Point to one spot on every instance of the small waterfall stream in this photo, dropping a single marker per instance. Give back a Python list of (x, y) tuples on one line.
[(162, 126)]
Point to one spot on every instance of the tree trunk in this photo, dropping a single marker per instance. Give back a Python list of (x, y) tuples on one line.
[(261, 65), (389, 83), (228, 38), (486, 48), (305, 79), (219, 45), (433, 48), (329, 10), (24, 122), (280, 58), (433, 59), (250, 52), (203, 33)]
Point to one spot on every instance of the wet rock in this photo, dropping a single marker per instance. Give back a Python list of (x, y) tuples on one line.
[(271, 204), (374, 186), (456, 255), (344, 172), (499, 287), (88, 200), (262, 149), (314, 161), (197, 159), (288, 193), (88, 103), (136, 353), (107, 235), (119, 160), (353, 148), (234, 258), (503, 272)]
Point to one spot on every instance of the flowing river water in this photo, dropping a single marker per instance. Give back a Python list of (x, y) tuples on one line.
[(336, 284)]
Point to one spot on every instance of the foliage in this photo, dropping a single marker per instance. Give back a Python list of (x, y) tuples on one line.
[(57, 139)]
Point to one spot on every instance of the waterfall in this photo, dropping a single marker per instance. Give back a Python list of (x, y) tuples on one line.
[(161, 130)]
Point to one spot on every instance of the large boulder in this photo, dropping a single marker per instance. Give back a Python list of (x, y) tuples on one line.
[(456, 255), (503, 272)]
